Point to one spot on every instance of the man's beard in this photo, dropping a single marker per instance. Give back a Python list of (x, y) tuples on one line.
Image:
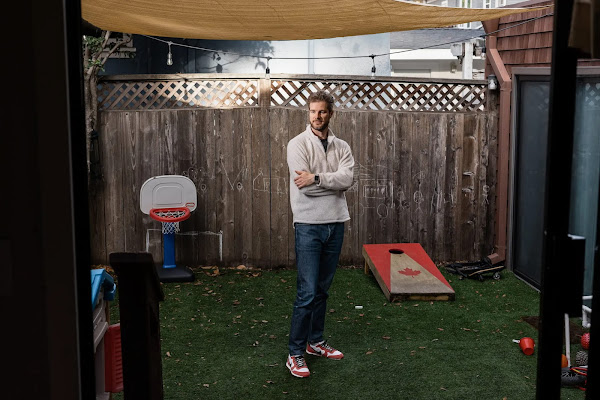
[(322, 128)]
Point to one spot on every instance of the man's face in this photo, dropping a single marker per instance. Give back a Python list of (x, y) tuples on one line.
[(319, 115)]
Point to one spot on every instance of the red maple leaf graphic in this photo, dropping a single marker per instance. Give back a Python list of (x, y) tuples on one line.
[(409, 272)]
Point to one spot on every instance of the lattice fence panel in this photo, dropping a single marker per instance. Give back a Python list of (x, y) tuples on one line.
[(153, 95), (385, 96)]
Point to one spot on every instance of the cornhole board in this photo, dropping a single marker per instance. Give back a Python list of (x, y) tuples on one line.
[(404, 271)]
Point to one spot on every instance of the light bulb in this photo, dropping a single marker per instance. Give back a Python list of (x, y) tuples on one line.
[(373, 69), (169, 56)]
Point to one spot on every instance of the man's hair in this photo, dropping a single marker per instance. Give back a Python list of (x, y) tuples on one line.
[(321, 95)]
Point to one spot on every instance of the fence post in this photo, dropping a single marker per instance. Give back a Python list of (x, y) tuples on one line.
[(264, 92)]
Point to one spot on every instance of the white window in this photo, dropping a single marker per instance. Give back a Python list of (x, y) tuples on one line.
[(445, 3), (487, 3)]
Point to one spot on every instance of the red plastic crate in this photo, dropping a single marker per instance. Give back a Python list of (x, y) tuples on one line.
[(113, 366)]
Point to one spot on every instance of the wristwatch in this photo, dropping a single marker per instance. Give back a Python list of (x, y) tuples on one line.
[(317, 180)]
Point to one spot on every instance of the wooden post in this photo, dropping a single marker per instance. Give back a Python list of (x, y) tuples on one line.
[(139, 294), (264, 92)]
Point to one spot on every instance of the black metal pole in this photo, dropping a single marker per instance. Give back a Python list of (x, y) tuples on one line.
[(558, 184)]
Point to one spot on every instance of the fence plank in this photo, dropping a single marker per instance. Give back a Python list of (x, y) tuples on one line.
[(437, 209), (261, 190), (208, 251), (225, 186), (185, 164), (468, 186), (452, 192), (420, 179), (97, 195), (129, 193), (402, 182), (345, 128), (148, 154), (385, 176), (243, 186), (279, 126), (113, 206)]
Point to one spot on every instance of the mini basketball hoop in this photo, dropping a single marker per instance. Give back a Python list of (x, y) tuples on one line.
[(169, 199)]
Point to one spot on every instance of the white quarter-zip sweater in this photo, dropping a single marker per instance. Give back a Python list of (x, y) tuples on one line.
[(324, 203)]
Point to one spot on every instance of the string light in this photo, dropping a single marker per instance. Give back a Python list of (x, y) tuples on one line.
[(170, 55), (372, 56), (373, 69)]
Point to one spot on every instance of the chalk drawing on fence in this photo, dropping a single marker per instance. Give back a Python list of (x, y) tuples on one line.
[(274, 184)]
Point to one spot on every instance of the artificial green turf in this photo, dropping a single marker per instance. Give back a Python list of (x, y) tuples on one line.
[(225, 336)]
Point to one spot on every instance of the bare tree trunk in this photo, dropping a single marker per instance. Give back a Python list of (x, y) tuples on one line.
[(91, 111), (94, 62)]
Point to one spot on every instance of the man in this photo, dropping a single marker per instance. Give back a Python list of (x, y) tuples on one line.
[(321, 170)]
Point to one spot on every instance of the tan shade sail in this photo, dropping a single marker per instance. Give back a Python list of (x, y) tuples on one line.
[(275, 19)]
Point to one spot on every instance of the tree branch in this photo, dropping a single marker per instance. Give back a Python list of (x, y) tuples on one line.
[(117, 46)]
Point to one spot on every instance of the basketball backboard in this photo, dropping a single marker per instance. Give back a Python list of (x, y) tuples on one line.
[(168, 191)]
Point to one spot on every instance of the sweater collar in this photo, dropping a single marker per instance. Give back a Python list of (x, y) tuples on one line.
[(309, 132)]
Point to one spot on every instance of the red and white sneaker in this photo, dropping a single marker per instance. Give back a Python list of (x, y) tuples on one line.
[(297, 366), (323, 349)]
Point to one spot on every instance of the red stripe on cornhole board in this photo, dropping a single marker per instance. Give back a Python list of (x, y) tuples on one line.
[(380, 257)]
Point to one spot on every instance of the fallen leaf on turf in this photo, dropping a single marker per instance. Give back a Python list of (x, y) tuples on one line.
[(241, 267), (283, 280), (206, 385), (236, 302), (332, 310), (369, 352), (168, 354), (270, 382), (443, 388), (440, 329), (386, 337)]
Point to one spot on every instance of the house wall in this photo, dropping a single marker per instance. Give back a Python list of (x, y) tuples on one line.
[(445, 66), (529, 44)]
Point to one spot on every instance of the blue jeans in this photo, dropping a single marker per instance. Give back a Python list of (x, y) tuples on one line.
[(318, 249)]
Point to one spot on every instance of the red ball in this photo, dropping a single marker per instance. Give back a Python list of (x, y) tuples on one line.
[(585, 341)]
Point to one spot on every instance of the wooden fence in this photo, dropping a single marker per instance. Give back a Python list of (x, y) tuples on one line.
[(424, 176)]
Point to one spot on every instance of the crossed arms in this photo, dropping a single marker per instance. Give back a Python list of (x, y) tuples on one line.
[(330, 182)]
